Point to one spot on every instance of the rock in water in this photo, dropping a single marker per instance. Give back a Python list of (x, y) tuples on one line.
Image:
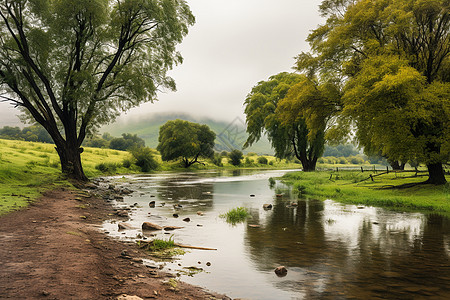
[(152, 204), (168, 228), (281, 271), (150, 226), (187, 219), (123, 226), (267, 206)]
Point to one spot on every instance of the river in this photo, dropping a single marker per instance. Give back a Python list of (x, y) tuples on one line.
[(331, 250)]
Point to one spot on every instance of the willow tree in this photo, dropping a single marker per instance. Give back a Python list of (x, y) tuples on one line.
[(289, 108), (73, 65), (394, 59)]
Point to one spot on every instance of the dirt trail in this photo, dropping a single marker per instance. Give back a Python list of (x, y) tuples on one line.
[(54, 250)]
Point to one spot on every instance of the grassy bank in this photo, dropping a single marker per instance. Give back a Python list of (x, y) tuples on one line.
[(357, 187), (27, 169)]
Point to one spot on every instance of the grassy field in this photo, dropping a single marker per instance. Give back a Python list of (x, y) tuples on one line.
[(28, 169), (357, 187)]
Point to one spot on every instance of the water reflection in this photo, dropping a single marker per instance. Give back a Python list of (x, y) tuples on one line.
[(335, 251), (331, 251)]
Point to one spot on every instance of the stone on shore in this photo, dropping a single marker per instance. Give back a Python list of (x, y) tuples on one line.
[(150, 226)]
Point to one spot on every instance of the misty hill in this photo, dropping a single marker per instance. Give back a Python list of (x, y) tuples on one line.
[(229, 136)]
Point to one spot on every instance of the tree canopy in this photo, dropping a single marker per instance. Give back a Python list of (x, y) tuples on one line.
[(392, 61), (186, 140), (293, 110), (73, 65)]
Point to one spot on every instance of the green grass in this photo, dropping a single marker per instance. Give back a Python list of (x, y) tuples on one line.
[(236, 215), (357, 188), (162, 248), (28, 169)]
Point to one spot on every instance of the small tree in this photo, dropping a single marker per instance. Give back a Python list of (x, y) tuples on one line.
[(185, 140), (235, 157)]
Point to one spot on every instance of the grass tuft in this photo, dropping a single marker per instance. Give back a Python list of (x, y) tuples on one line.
[(236, 215)]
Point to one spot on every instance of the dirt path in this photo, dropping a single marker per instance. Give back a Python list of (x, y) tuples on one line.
[(54, 250)]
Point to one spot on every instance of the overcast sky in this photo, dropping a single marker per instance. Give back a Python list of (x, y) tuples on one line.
[(233, 45)]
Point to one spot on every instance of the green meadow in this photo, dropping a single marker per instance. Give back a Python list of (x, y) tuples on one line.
[(27, 169), (394, 190)]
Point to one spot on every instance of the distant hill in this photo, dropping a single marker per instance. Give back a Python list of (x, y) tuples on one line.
[(229, 136)]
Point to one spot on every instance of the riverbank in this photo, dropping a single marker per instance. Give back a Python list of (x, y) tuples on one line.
[(393, 190), (53, 249)]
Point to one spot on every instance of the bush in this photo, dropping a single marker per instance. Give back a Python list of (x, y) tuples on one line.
[(262, 160), (356, 160), (343, 160), (217, 160), (248, 161), (144, 158), (251, 154), (235, 157), (107, 167), (126, 163)]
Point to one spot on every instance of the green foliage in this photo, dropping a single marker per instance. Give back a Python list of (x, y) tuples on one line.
[(272, 182), (109, 168), (186, 140), (217, 160), (340, 150), (393, 63), (144, 158), (293, 111), (236, 215), (126, 142), (235, 157), (35, 133), (262, 160), (73, 65)]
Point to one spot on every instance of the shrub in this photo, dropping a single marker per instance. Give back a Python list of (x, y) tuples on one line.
[(217, 160), (126, 163), (251, 154), (144, 158), (343, 160), (262, 160), (107, 167), (235, 157), (248, 161)]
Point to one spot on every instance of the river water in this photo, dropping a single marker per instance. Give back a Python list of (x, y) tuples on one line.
[(331, 250)]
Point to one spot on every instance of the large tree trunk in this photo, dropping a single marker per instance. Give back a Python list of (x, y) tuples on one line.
[(308, 165), (397, 165), (436, 174), (70, 158)]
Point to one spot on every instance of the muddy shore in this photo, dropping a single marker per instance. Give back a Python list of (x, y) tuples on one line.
[(53, 249)]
